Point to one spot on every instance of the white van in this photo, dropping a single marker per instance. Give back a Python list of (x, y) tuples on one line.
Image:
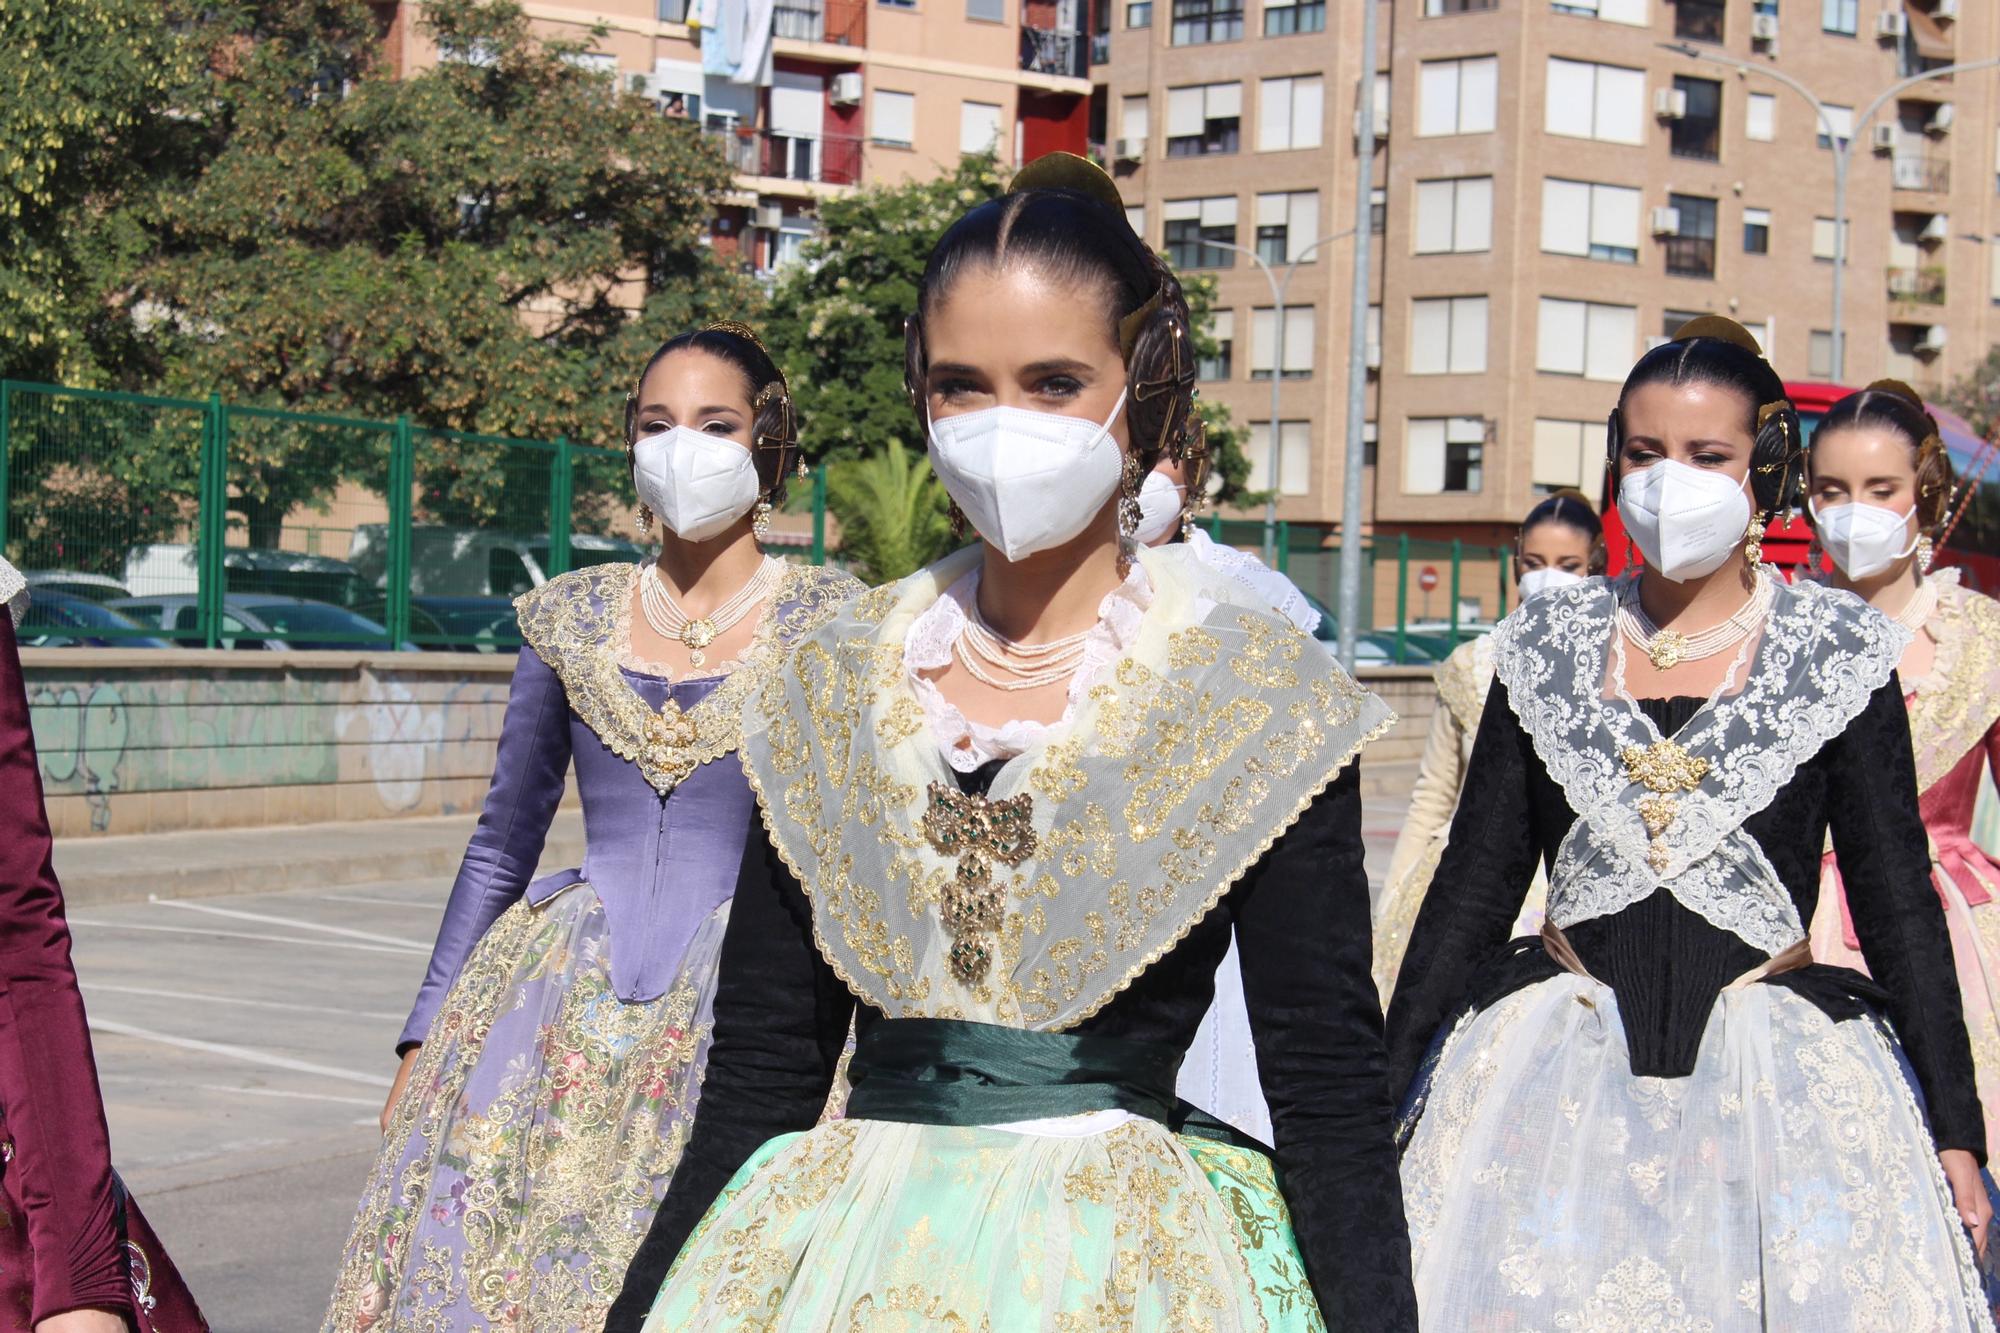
[(471, 562)]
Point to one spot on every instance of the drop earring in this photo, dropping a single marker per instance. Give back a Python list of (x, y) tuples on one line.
[(957, 522), (1753, 540), (642, 520), (760, 520), (1926, 552)]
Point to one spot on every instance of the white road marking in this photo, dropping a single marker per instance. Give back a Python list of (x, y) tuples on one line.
[(280, 1092), (90, 985), (294, 922), (428, 904), (217, 932), (248, 1055)]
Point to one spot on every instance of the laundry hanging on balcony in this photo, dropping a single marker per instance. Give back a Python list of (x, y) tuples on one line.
[(736, 40)]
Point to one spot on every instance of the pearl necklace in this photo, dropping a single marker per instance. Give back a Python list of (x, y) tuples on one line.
[(1668, 648), (1916, 612), (1019, 666), (695, 633)]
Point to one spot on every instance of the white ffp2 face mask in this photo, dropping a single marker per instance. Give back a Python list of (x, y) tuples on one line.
[(697, 483), (1535, 582), (1160, 503), (1027, 481), (1863, 539), (1686, 520)]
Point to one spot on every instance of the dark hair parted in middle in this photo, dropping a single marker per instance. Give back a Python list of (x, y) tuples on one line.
[(1570, 509), (1079, 242), (1894, 406), (1720, 352), (774, 427)]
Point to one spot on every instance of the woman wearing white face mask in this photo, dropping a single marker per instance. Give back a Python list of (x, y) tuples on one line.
[(1663, 1112), (1016, 805), (553, 1057), (1880, 481), (1560, 543), (1166, 514)]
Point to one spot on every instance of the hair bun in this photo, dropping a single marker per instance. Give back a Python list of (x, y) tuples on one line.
[(1067, 171), (1574, 496), (1900, 390), (1719, 327)]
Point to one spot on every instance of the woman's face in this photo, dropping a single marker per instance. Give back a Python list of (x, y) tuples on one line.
[(1864, 464), (1555, 546), (1009, 337), (699, 390), (1702, 425)]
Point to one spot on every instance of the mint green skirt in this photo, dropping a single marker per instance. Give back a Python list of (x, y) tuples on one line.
[(888, 1226)]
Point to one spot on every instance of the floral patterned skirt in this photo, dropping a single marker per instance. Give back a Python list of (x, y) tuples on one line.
[(541, 1124), (868, 1224), (1789, 1182)]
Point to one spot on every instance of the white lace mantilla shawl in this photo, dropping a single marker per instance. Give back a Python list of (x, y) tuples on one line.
[(1259, 577), (1822, 654), (13, 591), (1199, 749)]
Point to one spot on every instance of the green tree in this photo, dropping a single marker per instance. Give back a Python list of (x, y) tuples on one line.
[(892, 508), (1975, 395)]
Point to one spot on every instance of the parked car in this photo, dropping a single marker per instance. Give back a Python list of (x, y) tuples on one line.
[(1376, 647), (168, 568), (64, 620), (76, 583), (472, 562), (266, 620), (489, 622)]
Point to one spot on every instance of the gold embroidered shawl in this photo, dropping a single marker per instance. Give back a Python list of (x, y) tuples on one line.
[(1199, 749), (1464, 679), (1956, 704), (574, 623)]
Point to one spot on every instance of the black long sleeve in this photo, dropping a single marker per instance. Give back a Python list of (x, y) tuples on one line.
[(781, 1018), (1302, 931), (1885, 861)]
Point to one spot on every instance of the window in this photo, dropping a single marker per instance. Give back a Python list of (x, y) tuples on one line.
[(1437, 8), (1842, 120), (1698, 133), (1378, 211), (1691, 249), (893, 118), (1139, 15), (1457, 96), (1629, 12), (1585, 338), (1372, 347), (1993, 266), (1823, 239), (1819, 354), (1200, 21), (1189, 222), (1756, 231), (1282, 18), (1290, 113), (1298, 342), (1287, 225), (1135, 217), (1567, 453), (1448, 336), (1842, 16), (1454, 216), (986, 11), (1370, 444), (1587, 101), (1294, 457), (1594, 221), (1135, 119), (673, 11), (1700, 20), (1443, 455), (1760, 119), (978, 126), (1222, 327), (1204, 118)]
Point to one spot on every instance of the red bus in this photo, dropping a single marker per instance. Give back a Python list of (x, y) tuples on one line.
[(1973, 544)]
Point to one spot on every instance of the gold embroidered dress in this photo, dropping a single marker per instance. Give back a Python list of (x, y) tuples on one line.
[(564, 1022), (1031, 947)]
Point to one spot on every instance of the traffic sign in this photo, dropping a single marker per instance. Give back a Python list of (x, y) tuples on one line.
[(1427, 578)]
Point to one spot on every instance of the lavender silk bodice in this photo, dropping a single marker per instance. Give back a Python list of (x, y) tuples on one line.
[(666, 807)]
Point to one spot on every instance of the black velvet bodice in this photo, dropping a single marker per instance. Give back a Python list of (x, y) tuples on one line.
[(1667, 963)]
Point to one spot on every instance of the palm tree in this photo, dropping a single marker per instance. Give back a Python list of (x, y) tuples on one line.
[(891, 508)]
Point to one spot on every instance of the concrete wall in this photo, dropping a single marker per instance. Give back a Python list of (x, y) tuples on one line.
[(146, 741)]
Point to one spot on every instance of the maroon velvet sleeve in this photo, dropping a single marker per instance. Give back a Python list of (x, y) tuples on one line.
[(48, 1083)]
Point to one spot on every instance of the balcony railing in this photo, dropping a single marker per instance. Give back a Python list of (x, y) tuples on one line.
[(1690, 256), (1922, 171), (825, 159), (1051, 51), (1924, 286), (840, 22)]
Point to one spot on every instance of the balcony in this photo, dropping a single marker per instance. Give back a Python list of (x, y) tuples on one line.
[(1690, 256), (1100, 49), (1698, 20), (1922, 171), (827, 22), (1054, 52), (825, 159), (1917, 286)]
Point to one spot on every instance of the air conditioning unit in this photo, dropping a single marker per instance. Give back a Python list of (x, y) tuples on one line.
[(1666, 221), (1885, 138), (1373, 355), (845, 90), (1942, 118), (1946, 9), (770, 216), (1763, 27), (1132, 150), (1933, 339), (1937, 229), (1670, 104), (1892, 23)]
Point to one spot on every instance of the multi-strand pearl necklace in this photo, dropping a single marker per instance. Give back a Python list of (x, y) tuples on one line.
[(1916, 612), (695, 633), (1008, 665), (1668, 648)]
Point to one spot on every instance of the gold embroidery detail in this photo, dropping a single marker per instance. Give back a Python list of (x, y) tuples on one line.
[(977, 832), (1958, 702), (1664, 768)]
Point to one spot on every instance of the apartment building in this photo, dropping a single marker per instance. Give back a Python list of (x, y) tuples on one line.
[(1561, 184), (838, 93)]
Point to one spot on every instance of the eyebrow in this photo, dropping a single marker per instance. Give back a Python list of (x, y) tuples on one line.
[(711, 410), (1692, 444), (1054, 365)]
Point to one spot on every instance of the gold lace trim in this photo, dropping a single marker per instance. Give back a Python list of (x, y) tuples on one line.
[(1463, 680), (1959, 701)]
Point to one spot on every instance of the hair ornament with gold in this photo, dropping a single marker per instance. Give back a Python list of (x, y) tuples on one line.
[(1719, 327)]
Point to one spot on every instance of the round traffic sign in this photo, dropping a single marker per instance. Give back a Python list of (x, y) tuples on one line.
[(1427, 578)]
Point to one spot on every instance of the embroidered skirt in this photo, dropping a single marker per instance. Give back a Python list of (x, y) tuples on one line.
[(541, 1124), (1789, 1182), (888, 1226)]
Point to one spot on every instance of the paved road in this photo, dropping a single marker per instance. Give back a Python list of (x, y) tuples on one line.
[(245, 1044)]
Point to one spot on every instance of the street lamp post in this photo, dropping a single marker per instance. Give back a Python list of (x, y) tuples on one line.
[(1843, 155)]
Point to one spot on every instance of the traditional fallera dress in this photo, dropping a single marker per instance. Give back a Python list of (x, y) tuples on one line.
[(564, 1022), (1026, 949), (1662, 1115), (1464, 679), (1955, 731)]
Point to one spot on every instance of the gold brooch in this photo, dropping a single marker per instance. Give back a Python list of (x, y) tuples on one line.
[(1663, 768), (978, 832), (667, 734)]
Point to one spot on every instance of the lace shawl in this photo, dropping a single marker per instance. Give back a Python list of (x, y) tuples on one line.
[(1953, 708), (13, 591), (1822, 654)]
